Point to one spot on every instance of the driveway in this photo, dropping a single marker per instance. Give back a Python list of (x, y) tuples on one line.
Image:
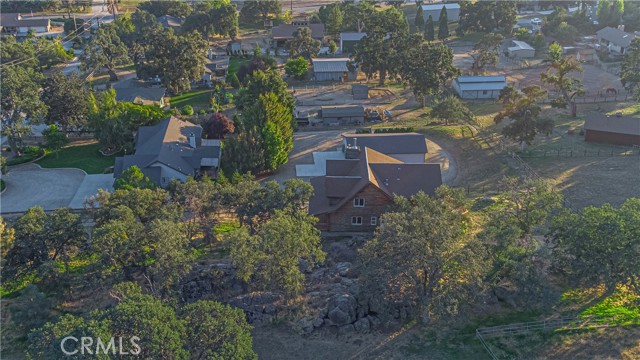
[(30, 185)]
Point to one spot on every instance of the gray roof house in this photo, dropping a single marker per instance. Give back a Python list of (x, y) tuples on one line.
[(521, 50), (172, 149), (169, 21), (332, 69), (341, 115), (453, 11), (616, 40), (142, 96), (13, 23), (406, 147), (281, 33), (479, 87), (612, 129)]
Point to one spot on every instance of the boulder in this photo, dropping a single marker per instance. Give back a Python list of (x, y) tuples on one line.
[(305, 325), (318, 322), (342, 309), (362, 325)]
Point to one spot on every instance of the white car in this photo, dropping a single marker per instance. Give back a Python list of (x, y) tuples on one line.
[(536, 21)]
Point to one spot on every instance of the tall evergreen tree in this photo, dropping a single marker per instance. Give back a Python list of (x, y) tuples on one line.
[(443, 28), (429, 31), (419, 21)]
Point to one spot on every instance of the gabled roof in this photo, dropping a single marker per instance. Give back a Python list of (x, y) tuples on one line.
[(612, 123), (15, 20), (342, 111), (400, 143), (616, 36), (433, 7), (167, 143), (141, 95), (330, 65), (286, 31), (170, 21), (475, 83), (346, 178), (520, 45), (352, 36)]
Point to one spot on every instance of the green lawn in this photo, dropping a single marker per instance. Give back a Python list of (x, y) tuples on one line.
[(85, 157), (196, 98), (235, 62)]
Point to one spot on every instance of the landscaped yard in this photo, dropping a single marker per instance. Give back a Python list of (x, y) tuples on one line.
[(197, 98), (85, 157), (235, 62)]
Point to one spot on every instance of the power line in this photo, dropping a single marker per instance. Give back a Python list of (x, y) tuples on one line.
[(63, 40)]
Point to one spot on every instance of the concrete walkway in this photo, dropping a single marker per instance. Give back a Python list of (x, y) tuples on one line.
[(30, 185)]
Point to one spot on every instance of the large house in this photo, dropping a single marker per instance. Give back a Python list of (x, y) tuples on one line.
[(282, 33), (406, 147), (355, 192), (615, 40), (479, 87), (15, 24), (333, 69), (453, 11), (172, 149), (612, 129)]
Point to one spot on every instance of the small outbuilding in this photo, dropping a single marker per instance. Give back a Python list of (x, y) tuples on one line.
[(332, 69), (360, 91), (521, 50), (479, 87), (342, 115), (453, 11), (612, 129), (349, 40)]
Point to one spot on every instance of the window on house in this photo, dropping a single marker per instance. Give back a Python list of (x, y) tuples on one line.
[(356, 220), (358, 202), (374, 220)]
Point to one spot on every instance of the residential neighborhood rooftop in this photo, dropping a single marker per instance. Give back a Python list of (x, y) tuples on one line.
[(616, 36), (400, 143)]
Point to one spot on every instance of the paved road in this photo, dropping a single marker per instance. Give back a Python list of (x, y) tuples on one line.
[(30, 185)]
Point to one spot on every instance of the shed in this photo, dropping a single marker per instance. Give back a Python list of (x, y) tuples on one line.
[(342, 115), (479, 87), (348, 41), (521, 50), (453, 11), (612, 129), (360, 92), (332, 69)]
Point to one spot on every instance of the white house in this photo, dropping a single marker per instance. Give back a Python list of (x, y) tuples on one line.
[(479, 87), (521, 50), (453, 11), (616, 40)]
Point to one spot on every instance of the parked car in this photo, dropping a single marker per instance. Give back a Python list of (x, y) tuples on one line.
[(387, 114), (536, 21), (374, 115)]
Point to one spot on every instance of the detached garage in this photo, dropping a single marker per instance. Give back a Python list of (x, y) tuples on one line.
[(342, 115), (479, 87), (612, 129), (521, 50)]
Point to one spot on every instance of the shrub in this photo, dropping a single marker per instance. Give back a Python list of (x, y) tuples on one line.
[(187, 110)]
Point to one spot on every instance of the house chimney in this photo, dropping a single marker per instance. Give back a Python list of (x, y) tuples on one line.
[(192, 140)]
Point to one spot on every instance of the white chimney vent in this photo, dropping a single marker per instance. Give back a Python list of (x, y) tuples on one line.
[(192, 140)]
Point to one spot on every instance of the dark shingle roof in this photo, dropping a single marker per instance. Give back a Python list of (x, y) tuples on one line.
[(401, 143), (342, 111), (167, 143), (286, 31), (612, 123), (616, 36), (345, 178)]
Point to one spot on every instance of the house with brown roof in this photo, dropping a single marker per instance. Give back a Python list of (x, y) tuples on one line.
[(612, 129), (355, 192), (282, 33)]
